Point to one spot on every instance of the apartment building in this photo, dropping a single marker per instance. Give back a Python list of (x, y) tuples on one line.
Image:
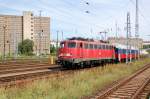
[(14, 29)]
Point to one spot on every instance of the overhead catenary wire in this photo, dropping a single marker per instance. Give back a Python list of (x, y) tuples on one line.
[(141, 14), (68, 12)]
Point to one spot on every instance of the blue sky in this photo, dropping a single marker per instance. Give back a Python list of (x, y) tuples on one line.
[(69, 15)]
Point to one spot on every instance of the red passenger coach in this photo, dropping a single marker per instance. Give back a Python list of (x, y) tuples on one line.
[(74, 53)]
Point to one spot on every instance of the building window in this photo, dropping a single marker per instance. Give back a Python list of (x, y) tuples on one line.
[(31, 33), (31, 37)]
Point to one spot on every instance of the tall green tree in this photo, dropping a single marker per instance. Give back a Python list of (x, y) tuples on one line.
[(52, 49), (26, 47)]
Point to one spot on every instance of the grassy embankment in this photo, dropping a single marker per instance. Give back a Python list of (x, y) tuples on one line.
[(82, 83)]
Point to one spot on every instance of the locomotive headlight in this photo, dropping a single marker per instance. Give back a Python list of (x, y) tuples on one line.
[(67, 54), (60, 55)]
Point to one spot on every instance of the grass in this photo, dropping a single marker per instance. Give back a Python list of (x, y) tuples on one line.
[(82, 83), (21, 58)]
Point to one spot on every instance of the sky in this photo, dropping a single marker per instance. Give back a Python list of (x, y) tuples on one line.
[(70, 17)]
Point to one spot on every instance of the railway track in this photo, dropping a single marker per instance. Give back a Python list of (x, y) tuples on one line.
[(20, 74), (10, 79), (12, 72), (136, 86), (145, 93)]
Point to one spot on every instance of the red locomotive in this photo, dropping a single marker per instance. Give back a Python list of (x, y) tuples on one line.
[(79, 53)]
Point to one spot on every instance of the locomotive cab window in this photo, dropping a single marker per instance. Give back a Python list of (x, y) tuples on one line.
[(71, 45), (62, 45)]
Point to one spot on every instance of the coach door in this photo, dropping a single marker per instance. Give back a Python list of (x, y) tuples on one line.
[(81, 49)]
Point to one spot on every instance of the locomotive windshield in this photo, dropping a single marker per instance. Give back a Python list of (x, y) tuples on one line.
[(71, 45), (62, 45)]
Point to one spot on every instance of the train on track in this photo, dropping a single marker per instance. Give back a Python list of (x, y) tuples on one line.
[(74, 53)]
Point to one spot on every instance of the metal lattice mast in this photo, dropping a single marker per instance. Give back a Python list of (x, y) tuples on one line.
[(57, 43), (116, 29), (128, 35), (40, 32), (137, 21), (137, 27), (4, 52)]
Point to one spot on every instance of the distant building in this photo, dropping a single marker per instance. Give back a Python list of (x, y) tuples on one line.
[(18, 28), (54, 43), (134, 42), (146, 45)]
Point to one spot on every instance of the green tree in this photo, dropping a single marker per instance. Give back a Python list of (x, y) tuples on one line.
[(52, 49), (26, 47)]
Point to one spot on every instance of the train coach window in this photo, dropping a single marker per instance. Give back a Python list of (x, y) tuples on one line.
[(106, 46), (72, 45), (91, 46), (110, 47), (95, 46), (99, 47), (103, 47), (86, 46)]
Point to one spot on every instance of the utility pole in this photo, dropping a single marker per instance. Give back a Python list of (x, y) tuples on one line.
[(62, 33), (8, 42), (116, 30), (40, 32), (127, 41), (15, 40), (4, 49), (57, 43), (137, 21), (104, 32), (129, 34), (137, 27)]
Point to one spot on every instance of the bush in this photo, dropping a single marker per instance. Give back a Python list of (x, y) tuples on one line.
[(26, 47)]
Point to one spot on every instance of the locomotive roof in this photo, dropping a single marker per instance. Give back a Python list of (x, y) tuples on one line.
[(95, 42), (86, 39)]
